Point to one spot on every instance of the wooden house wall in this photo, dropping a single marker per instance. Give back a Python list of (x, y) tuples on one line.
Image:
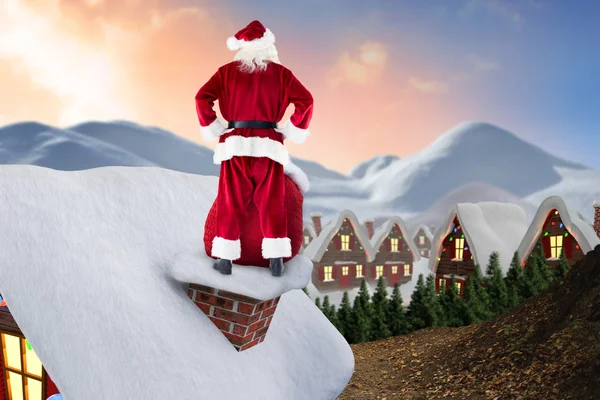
[(425, 248), (385, 257)]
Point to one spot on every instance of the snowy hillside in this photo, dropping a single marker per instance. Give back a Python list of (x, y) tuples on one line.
[(86, 271), (372, 165)]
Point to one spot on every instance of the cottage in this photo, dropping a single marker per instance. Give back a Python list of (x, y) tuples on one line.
[(340, 254), (468, 236), (395, 253), (308, 235), (423, 238), (23, 375), (555, 228)]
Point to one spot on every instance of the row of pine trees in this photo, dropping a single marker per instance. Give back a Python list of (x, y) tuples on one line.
[(379, 316)]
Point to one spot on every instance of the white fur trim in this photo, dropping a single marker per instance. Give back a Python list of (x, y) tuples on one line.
[(214, 130), (265, 41), (291, 132), (275, 248), (226, 249), (298, 176), (251, 147)]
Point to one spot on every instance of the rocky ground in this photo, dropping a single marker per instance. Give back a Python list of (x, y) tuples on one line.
[(546, 348)]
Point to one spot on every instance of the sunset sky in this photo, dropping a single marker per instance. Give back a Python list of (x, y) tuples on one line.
[(388, 76)]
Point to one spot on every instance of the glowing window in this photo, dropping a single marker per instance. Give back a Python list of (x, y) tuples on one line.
[(556, 246), (345, 242), (458, 286), (394, 269), (328, 273), (359, 270), (442, 285), (344, 270), (23, 369), (306, 239), (394, 244), (421, 239), (459, 245), (407, 270), (378, 271)]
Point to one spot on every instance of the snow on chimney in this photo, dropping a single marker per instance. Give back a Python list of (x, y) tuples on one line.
[(597, 217), (369, 228), (316, 220), (242, 319)]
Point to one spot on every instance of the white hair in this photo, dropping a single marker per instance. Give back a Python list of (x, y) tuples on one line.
[(252, 60)]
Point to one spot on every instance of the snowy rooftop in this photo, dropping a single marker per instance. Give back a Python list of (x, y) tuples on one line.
[(488, 227), (383, 231), (310, 228), (574, 222), (315, 250), (86, 264), (425, 230)]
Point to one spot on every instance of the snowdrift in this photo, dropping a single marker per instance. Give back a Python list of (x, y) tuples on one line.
[(86, 264)]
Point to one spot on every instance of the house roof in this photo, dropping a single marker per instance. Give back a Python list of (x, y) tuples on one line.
[(572, 220), (426, 231), (310, 228), (315, 250), (382, 232), (488, 227)]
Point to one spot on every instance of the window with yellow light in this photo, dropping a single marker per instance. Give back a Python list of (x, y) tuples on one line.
[(378, 271), (359, 270), (556, 246), (394, 244), (345, 242), (23, 369), (407, 269), (344, 271), (328, 273), (394, 269)]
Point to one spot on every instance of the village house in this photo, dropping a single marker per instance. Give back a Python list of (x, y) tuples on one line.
[(469, 235), (23, 375), (557, 227), (395, 253), (340, 253), (423, 238), (308, 235)]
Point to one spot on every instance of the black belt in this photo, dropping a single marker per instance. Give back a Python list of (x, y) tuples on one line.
[(252, 124)]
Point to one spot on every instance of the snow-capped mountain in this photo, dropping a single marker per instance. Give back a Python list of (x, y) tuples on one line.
[(372, 165)]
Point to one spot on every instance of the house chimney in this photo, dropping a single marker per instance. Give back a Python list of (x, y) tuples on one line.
[(316, 220), (369, 228), (597, 217)]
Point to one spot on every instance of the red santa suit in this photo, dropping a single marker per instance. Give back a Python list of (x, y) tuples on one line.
[(253, 160)]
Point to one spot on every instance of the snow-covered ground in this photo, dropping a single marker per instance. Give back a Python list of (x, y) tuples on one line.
[(86, 260)]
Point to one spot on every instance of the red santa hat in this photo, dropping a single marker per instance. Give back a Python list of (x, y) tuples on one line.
[(254, 36)]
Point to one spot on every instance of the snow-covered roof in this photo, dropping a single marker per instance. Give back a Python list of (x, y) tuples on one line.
[(596, 203), (488, 226), (425, 230), (383, 231), (310, 228), (315, 250), (583, 233), (298, 176), (87, 272)]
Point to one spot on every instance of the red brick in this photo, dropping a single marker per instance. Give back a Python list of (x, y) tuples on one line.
[(276, 300), (236, 317), (262, 339), (249, 345), (237, 340), (238, 297), (240, 330), (268, 312), (221, 324), (269, 320), (202, 288), (204, 307), (214, 300), (191, 294), (257, 325), (263, 306), (246, 308), (261, 332)]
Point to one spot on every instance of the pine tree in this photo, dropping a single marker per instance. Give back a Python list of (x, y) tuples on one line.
[(534, 281), (379, 328), (359, 322), (514, 281), (562, 269), (417, 309), (364, 296), (326, 308), (544, 270), (471, 308), (484, 312), (334, 318), (436, 314), (343, 317), (306, 291), (318, 303), (496, 287), (396, 317), (449, 303)]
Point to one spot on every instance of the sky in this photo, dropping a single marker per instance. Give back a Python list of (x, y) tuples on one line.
[(388, 76)]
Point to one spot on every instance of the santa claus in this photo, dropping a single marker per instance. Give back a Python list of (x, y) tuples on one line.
[(253, 92)]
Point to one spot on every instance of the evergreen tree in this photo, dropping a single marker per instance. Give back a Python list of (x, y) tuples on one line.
[(484, 312), (360, 323), (326, 308), (496, 287), (379, 327), (417, 308), (544, 270), (450, 304), (343, 317), (396, 317), (306, 291), (533, 282), (471, 307), (436, 314), (562, 269), (364, 296), (514, 281), (318, 303), (334, 318)]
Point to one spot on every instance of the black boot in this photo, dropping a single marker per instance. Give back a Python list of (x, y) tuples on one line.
[(223, 266), (276, 265)]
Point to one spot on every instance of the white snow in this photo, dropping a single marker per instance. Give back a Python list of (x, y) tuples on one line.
[(596, 204), (85, 263), (426, 232), (255, 282), (382, 232), (488, 227), (583, 233)]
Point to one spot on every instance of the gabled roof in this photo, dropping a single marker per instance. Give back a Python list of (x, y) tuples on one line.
[(382, 232), (426, 231), (310, 228), (573, 221), (315, 250), (488, 227)]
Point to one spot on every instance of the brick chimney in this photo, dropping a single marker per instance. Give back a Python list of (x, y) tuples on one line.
[(369, 228), (597, 217), (316, 220), (243, 320)]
